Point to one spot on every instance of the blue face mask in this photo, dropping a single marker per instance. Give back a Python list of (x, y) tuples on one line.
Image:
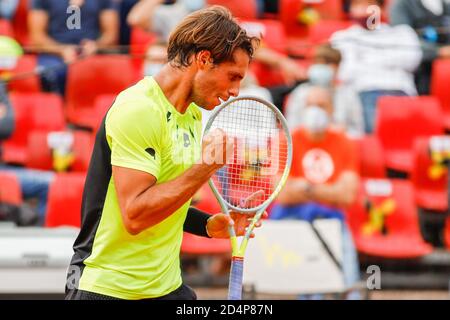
[(194, 5), (321, 75)]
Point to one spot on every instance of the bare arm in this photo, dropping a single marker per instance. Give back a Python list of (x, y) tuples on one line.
[(340, 194), (109, 26), (38, 24), (140, 15), (143, 203)]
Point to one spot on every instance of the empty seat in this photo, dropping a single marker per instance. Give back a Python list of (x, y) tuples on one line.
[(6, 28), (439, 86), (371, 157), (291, 9), (64, 200), (323, 30), (20, 23), (430, 188), (384, 221), (399, 121), (10, 191), (33, 112), (247, 9), (139, 43), (24, 76), (109, 74), (102, 104), (39, 153)]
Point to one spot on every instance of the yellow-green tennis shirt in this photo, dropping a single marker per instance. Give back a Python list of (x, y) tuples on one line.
[(141, 131)]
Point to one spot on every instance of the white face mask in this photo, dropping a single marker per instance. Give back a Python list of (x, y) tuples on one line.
[(321, 75), (194, 5), (315, 119), (151, 69)]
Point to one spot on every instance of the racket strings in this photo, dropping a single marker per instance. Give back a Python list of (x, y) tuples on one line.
[(259, 157)]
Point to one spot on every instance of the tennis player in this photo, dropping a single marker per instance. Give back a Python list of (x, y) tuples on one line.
[(144, 169)]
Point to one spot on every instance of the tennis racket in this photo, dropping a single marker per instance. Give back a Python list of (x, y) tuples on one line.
[(256, 172)]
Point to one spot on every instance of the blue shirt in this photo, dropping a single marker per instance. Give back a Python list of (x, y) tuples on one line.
[(59, 14)]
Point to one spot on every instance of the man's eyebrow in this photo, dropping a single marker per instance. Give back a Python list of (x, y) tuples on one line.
[(236, 74)]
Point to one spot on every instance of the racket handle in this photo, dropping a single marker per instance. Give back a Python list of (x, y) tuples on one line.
[(236, 276)]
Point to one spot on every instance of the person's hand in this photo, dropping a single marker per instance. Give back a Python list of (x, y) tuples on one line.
[(89, 47), (69, 54), (444, 52), (292, 72), (217, 149), (217, 226)]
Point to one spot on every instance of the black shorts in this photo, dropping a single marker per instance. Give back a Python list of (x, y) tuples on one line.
[(184, 292)]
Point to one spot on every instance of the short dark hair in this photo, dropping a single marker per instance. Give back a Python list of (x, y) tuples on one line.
[(213, 29), (326, 53)]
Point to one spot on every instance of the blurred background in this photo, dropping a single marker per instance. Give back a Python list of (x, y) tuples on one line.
[(363, 84)]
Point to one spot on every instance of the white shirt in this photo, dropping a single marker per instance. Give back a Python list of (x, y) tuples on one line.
[(382, 59)]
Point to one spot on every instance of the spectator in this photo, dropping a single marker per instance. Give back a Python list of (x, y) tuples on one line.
[(324, 176), (59, 42), (34, 183), (431, 20), (377, 59), (347, 105), (8, 9), (125, 32)]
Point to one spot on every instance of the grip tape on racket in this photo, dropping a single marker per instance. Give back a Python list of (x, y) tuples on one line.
[(236, 276)]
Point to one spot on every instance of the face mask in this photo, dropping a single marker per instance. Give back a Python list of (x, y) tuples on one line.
[(152, 69), (321, 75), (315, 119), (194, 5)]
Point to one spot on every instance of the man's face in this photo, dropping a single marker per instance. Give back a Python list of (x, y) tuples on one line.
[(219, 81)]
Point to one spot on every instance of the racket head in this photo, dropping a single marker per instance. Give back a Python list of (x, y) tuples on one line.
[(262, 156)]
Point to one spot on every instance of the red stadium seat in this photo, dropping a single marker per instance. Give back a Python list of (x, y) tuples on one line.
[(40, 154), (102, 105), (92, 77), (26, 78), (10, 191), (399, 121), (33, 111), (398, 237), (430, 193), (64, 200), (371, 157), (247, 9), (20, 22), (439, 86), (139, 43), (6, 28), (290, 10)]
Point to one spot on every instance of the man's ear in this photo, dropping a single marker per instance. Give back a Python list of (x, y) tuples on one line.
[(203, 59)]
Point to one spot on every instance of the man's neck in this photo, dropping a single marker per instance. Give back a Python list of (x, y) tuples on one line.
[(176, 84)]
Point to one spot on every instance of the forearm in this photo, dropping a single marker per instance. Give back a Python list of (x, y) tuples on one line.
[(159, 201), (293, 193), (269, 57), (45, 44), (140, 15)]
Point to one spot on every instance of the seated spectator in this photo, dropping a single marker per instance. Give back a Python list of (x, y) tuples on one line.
[(431, 20), (34, 183), (377, 59), (324, 176), (59, 40), (347, 105), (8, 9)]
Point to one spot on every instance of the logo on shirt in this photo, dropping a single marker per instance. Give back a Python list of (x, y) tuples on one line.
[(318, 166), (151, 152)]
